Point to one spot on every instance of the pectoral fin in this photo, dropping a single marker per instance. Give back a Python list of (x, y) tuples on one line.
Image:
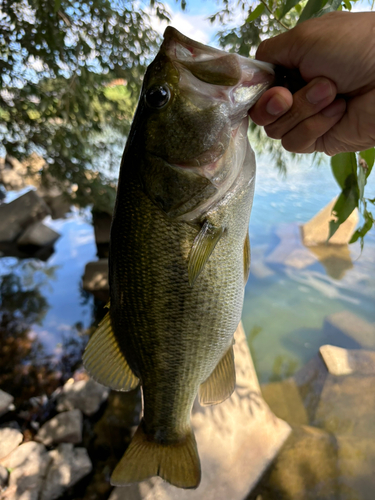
[(246, 257), (203, 247), (104, 360), (221, 383)]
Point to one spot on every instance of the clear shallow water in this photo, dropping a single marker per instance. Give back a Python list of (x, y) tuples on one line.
[(284, 306)]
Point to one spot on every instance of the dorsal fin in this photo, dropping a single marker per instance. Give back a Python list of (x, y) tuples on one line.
[(221, 383), (104, 360)]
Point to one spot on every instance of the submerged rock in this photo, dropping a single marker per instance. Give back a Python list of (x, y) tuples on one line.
[(17, 215), (66, 427), (28, 464), (68, 466), (5, 401), (341, 361), (316, 231), (351, 325), (39, 235), (9, 440), (85, 395)]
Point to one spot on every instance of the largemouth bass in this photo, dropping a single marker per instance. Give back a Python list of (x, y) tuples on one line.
[(179, 251)]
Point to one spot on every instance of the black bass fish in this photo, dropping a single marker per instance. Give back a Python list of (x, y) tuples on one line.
[(179, 251)]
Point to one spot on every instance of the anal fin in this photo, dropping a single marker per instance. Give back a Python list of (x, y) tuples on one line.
[(221, 383), (178, 463), (104, 360)]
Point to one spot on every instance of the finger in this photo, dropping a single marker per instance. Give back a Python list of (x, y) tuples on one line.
[(273, 104), (306, 137), (309, 101)]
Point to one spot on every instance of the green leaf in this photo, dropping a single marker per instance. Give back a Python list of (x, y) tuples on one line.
[(344, 168), (258, 11), (362, 176), (362, 231), (344, 206), (316, 8), (348, 5), (289, 4)]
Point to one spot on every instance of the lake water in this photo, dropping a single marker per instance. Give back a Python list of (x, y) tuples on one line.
[(285, 306)]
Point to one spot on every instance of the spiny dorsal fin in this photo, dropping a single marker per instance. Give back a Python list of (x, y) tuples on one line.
[(176, 463), (221, 383), (246, 257), (104, 360), (202, 248)]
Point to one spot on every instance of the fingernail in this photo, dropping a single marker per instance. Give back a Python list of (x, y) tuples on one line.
[(335, 108), (276, 105), (319, 92)]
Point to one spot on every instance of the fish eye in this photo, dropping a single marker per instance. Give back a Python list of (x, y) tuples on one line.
[(158, 96)]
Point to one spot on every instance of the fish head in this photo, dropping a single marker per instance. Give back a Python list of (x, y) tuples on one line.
[(194, 100)]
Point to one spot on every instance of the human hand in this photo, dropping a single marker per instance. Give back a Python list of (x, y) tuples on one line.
[(335, 54)]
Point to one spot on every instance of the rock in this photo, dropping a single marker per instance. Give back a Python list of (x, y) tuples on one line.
[(28, 464), (356, 466), (4, 475), (95, 279), (341, 361), (9, 440), (68, 466), (86, 395), (305, 469), (237, 440), (5, 401), (347, 406), (102, 225), (14, 164), (316, 231), (11, 180), (59, 205), (66, 427), (39, 235), (290, 251), (351, 325), (335, 258), (285, 401), (17, 215)]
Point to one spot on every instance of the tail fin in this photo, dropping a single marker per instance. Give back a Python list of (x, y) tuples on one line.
[(178, 463)]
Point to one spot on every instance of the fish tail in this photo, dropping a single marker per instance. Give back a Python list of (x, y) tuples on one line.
[(176, 463)]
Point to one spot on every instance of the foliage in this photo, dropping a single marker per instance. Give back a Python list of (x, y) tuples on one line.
[(269, 18), (57, 62)]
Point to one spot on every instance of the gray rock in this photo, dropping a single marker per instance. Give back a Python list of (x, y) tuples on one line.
[(28, 464), (4, 475), (66, 427), (9, 440), (38, 234), (17, 215), (351, 325), (316, 231), (86, 395), (341, 361), (5, 400), (68, 466), (95, 279), (237, 441), (11, 180)]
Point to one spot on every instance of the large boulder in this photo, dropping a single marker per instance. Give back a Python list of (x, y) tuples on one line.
[(68, 466), (38, 235), (85, 395), (341, 361), (66, 427), (28, 465), (237, 440), (20, 213), (9, 440), (347, 323)]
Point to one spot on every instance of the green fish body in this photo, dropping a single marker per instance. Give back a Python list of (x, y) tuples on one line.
[(179, 252)]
